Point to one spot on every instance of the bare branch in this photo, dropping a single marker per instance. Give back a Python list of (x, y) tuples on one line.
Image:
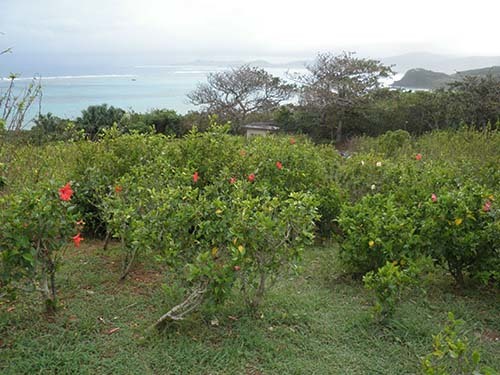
[(236, 93)]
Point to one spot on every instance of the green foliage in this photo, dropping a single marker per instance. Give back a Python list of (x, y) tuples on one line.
[(387, 284), (2, 175), (452, 353), (478, 98), (459, 229), (392, 141), (390, 282), (162, 121), (213, 235), (99, 165), (336, 84), (376, 230), (299, 120), (36, 225), (49, 128), (425, 187), (367, 173), (97, 118), (197, 208)]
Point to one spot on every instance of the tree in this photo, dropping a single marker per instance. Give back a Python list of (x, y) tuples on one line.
[(336, 84), (164, 121), (98, 117), (236, 93), (479, 99), (15, 104)]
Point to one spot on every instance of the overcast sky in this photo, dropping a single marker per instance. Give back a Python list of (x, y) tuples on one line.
[(156, 31)]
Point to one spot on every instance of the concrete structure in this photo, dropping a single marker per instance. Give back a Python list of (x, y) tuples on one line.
[(260, 128)]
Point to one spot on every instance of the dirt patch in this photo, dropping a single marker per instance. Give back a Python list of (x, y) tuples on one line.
[(491, 335), (145, 276)]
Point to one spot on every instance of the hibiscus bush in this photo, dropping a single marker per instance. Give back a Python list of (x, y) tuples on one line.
[(367, 174), (431, 210), (98, 165), (211, 237), (220, 213), (459, 229), (376, 230), (37, 225)]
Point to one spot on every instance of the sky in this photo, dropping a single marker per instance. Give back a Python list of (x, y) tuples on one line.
[(124, 32)]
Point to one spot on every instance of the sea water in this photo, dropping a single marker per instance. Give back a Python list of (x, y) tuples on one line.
[(139, 89)]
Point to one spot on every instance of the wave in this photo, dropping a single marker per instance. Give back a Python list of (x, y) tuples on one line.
[(190, 72), (88, 76)]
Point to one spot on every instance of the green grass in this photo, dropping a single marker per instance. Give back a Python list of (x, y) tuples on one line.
[(313, 323)]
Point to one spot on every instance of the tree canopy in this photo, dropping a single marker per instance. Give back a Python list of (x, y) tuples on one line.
[(334, 84), (236, 93), (98, 117)]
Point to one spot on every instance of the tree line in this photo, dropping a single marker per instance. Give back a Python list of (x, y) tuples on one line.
[(338, 97)]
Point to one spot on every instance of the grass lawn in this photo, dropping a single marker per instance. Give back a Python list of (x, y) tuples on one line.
[(313, 323)]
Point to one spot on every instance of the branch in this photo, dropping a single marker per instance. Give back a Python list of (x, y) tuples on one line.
[(191, 303)]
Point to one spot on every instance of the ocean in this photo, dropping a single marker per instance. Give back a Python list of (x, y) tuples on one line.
[(138, 89)]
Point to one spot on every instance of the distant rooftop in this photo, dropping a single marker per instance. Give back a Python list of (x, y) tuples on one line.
[(265, 125)]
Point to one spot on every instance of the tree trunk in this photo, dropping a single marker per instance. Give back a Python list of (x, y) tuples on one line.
[(190, 304), (257, 299), (48, 291), (338, 138), (128, 261), (456, 272), (48, 279), (106, 240)]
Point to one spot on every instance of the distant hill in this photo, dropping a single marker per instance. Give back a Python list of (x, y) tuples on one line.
[(439, 63), (428, 79)]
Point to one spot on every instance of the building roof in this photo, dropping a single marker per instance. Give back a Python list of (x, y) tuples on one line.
[(268, 125)]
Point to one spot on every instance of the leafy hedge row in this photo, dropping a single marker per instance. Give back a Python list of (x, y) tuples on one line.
[(221, 210), (424, 198)]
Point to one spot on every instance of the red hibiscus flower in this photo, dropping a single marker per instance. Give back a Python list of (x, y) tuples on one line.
[(77, 239), (292, 141), (118, 189), (434, 197), (66, 192), (237, 268), (251, 177), (195, 177), (279, 165), (418, 156), (232, 180), (487, 206)]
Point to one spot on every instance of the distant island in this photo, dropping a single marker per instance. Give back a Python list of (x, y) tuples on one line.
[(430, 80)]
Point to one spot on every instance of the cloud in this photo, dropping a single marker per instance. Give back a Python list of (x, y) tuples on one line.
[(208, 27)]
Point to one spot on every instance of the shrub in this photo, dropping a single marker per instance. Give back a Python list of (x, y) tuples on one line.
[(390, 281), (458, 229), (391, 142), (36, 228), (219, 212), (212, 236), (100, 164), (452, 353), (367, 174), (374, 231)]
